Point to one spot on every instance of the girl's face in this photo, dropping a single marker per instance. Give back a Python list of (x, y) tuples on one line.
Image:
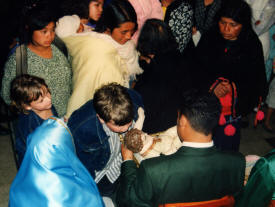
[(44, 102), (124, 32), (95, 9), (229, 29), (45, 36)]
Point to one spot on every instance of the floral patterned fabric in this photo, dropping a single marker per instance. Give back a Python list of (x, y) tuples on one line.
[(56, 71), (179, 17)]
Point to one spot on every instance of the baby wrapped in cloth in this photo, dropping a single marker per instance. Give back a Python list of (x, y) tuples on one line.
[(146, 146)]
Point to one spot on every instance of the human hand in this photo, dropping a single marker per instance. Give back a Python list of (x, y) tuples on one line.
[(222, 89), (140, 120), (126, 153), (147, 59), (194, 30)]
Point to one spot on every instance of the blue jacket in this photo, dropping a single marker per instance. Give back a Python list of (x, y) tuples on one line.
[(91, 141), (26, 124)]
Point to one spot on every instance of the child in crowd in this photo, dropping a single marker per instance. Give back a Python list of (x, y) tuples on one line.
[(39, 56), (95, 11), (89, 11), (31, 98)]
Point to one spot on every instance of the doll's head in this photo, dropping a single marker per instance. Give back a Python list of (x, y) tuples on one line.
[(138, 141)]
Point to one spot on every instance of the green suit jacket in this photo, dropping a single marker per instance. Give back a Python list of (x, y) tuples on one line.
[(260, 187), (191, 174)]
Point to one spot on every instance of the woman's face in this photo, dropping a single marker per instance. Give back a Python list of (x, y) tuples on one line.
[(45, 36), (95, 9), (229, 29), (124, 32)]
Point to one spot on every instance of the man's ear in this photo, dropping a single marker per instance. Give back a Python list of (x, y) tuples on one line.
[(182, 121), (27, 107), (100, 119), (108, 31)]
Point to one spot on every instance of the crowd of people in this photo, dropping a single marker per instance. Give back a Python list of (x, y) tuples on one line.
[(136, 103)]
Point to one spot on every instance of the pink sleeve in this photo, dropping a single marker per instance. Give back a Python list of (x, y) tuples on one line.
[(157, 11), (146, 9)]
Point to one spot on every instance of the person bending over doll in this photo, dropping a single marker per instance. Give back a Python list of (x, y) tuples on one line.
[(145, 146)]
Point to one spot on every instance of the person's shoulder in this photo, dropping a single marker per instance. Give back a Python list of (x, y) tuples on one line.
[(28, 121), (179, 3), (135, 96), (23, 120), (10, 61), (58, 51), (270, 158), (84, 114), (88, 107), (156, 163), (230, 155), (211, 35), (54, 111)]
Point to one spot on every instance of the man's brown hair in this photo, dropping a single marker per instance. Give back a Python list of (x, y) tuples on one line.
[(112, 102)]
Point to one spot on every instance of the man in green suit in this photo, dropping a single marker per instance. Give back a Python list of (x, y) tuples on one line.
[(196, 172)]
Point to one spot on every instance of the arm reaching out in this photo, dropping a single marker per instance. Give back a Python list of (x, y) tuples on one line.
[(140, 120)]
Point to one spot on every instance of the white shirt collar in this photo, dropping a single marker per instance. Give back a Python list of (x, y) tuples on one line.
[(198, 144)]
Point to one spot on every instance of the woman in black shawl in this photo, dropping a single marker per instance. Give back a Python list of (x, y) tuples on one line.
[(233, 51)]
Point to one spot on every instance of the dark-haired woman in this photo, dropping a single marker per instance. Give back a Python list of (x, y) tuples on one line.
[(105, 55), (89, 11), (233, 51), (166, 74), (44, 59)]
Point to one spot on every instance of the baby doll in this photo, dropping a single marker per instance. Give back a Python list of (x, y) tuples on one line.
[(145, 146)]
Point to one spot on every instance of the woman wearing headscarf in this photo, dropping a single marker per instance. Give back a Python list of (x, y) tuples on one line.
[(233, 51)]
